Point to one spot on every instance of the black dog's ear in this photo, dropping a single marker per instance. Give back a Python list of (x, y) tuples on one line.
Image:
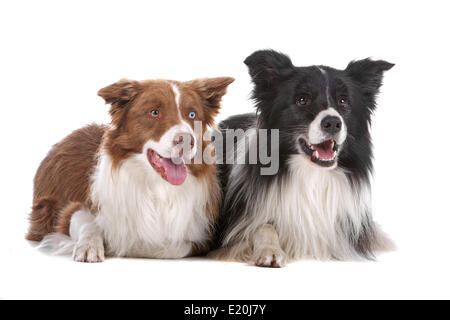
[(368, 73), (266, 67)]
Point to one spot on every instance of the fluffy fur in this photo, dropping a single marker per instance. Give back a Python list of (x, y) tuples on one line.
[(98, 194), (313, 207)]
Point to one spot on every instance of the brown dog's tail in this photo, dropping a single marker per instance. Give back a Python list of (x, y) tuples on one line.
[(42, 218), (50, 225)]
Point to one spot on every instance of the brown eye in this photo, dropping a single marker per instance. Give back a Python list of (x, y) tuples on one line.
[(303, 101), (343, 101), (154, 113)]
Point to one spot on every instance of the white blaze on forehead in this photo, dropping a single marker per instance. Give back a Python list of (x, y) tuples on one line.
[(327, 86), (315, 132), (177, 93)]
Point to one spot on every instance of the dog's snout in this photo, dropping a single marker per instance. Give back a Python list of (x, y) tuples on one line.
[(184, 139), (331, 124)]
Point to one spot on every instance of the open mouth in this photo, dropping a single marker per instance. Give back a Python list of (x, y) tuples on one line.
[(323, 154), (174, 173)]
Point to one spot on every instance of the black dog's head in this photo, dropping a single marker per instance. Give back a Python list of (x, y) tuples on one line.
[(322, 113)]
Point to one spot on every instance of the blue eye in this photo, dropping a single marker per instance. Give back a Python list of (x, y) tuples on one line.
[(192, 115)]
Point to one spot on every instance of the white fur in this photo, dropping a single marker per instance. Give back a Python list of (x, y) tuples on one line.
[(85, 242), (324, 73), (177, 93), (57, 243), (142, 215), (305, 212), (78, 221), (88, 237), (165, 147), (266, 250), (315, 132)]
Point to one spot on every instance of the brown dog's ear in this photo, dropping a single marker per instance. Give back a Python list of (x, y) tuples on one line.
[(120, 93), (211, 90)]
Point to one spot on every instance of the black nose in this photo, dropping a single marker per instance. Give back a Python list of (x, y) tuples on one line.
[(331, 124)]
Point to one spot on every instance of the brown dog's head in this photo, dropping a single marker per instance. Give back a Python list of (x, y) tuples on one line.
[(156, 118)]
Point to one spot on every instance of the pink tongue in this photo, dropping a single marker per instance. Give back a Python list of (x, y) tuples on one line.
[(176, 173), (325, 151)]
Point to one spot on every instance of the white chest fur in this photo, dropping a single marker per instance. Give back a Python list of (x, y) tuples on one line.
[(142, 215), (310, 205)]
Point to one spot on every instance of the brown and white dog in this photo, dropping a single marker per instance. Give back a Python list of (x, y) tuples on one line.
[(127, 188)]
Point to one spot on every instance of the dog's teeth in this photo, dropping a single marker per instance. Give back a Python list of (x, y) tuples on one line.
[(332, 143), (334, 154), (316, 154)]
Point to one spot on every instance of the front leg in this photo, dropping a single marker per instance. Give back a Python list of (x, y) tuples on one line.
[(88, 237), (266, 249)]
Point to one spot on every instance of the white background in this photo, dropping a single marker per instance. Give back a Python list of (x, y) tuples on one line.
[(55, 55)]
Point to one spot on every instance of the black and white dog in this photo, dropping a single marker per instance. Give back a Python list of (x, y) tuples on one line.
[(318, 204)]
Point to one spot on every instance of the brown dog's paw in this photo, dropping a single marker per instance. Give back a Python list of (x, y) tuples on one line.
[(89, 252)]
